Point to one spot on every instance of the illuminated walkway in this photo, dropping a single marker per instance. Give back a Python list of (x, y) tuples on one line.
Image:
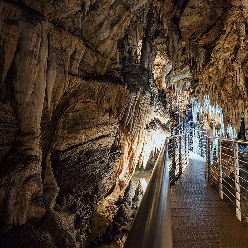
[(200, 219)]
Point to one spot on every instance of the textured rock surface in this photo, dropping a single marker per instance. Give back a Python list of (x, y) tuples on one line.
[(83, 89)]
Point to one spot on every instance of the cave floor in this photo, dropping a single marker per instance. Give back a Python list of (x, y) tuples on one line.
[(200, 218)]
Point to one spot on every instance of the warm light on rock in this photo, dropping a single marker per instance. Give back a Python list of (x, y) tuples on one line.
[(89, 91)]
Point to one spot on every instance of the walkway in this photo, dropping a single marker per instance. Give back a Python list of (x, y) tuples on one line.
[(200, 219)]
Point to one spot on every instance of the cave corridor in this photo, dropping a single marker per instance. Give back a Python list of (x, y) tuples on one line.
[(89, 92)]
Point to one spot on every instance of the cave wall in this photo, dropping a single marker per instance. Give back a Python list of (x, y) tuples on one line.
[(74, 110), (81, 86), (217, 54), (229, 65)]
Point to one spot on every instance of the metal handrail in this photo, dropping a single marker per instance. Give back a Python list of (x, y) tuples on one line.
[(182, 127), (179, 127), (245, 142), (178, 146), (231, 181), (195, 134), (152, 223)]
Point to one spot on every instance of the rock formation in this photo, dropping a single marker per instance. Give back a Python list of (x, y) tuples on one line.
[(84, 89)]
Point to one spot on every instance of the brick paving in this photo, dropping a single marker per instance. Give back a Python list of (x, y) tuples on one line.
[(200, 218)]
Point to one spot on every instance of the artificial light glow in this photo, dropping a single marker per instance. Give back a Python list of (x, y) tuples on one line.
[(214, 116), (139, 47), (154, 141), (143, 184)]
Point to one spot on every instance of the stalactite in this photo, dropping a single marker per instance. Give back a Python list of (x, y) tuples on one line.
[(215, 117)]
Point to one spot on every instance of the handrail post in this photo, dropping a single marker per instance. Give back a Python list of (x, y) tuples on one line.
[(188, 144), (185, 150), (220, 170), (237, 185), (208, 163), (180, 156), (201, 144), (204, 144), (173, 161)]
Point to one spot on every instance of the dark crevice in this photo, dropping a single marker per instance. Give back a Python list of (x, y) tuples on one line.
[(84, 143)]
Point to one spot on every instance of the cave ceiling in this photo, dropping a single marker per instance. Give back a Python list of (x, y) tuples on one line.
[(83, 91)]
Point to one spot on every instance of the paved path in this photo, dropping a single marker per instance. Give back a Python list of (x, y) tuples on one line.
[(200, 219)]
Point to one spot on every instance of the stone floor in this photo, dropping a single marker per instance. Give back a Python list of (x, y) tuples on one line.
[(200, 219)]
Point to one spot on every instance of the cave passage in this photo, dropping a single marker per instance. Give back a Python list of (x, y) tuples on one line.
[(91, 90), (200, 218)]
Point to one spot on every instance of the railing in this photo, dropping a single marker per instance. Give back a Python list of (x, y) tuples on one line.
[(227, 172), (197, 138), (198, 141), (178, 152), (180, 128), (152, 224)]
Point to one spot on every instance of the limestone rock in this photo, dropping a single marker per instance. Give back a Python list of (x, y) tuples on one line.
[(84, 86)]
